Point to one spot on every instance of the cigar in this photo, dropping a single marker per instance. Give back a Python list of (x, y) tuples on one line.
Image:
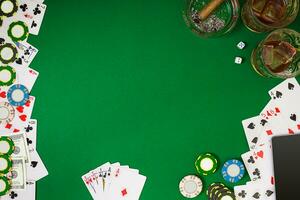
[(209, 8)]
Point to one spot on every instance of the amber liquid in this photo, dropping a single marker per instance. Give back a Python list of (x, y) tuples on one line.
[(269, 11), (278, 55)]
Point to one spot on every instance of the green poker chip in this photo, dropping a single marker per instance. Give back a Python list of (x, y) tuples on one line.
[(7, 145), (18, 31), (5, 164), (8, 53), (7, 75), (206, 164), (8, 7), (5, 185)]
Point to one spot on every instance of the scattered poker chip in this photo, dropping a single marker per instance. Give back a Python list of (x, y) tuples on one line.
[(18, 31), (7, 146), (206, 164), (233, 171), (190, 186), (7, 75), (7, 113), (8, 53), (5, 164), (17, 95), (218, 191), (8, 7), (5, 185)]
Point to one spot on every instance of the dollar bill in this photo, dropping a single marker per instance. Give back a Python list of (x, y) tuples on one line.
[(18, 174), (21, 148)]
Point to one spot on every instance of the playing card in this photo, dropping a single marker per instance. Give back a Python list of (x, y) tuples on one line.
[(36, 169), (31, 133), (34, 11), (90, 185), (28, 194), (287, 95), (26, 54), (252, 128), (126, 185), (242, 192), (251, 164), (18, 116), (94, 182)]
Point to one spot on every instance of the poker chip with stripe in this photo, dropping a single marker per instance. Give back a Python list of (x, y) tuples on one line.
[(5, 164), (7, 75), (8, 7), (17, 95), (190, 186), (8, 53), (218, 191), (18, 31), (206, 164), (233, 171), (5, 185), (7, 113), (7, 146)]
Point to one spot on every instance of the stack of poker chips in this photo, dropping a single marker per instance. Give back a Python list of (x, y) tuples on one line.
[(218, 191), (7, 147), (207, 164)]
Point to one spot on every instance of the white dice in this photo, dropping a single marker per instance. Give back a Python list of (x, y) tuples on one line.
[(241, 45), (238, 60)]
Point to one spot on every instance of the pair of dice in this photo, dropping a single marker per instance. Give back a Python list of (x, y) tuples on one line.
[(239, 60)]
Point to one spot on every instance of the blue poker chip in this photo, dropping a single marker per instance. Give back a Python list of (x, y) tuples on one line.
[(17, 95), (233, 171)]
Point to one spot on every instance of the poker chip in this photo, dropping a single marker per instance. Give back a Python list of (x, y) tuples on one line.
[(8, 53), (233, 171), (5, 185), (7, 113), (218, 191), (18, 31), (7, 146), (8, 7), (17, 95), (206, 164), (190, 186), (5, 164), (7, 76)]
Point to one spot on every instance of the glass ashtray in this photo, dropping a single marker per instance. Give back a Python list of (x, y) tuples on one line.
[(221, 21)]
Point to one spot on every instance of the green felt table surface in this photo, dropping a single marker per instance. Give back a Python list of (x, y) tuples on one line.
[(127, 81)]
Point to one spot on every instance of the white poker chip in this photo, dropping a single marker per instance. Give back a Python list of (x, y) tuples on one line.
[(4, 147), (2, 185), (7, 112), (190, 186), (206, 164), (8, 7), (3, 164)]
